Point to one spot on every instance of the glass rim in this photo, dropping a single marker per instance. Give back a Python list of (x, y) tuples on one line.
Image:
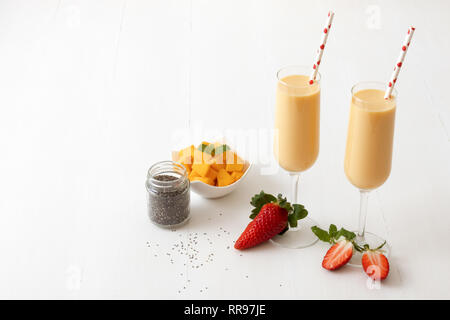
[(166, 166), (394, 92), (317, 80)]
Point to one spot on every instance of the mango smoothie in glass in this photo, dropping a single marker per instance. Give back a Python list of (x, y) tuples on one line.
[(296, 142), (297, 121), (369, 141), (368, 154)]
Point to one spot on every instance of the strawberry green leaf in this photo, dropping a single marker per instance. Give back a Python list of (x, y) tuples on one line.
[(221, 149), (366, 247), (381, 245), (283, 203), (210, 149), (321, 234), (333, 235), (299, 211), (259, 200), (332, 230), (357, 248), (292, 221), (345, 233), (202, 147)]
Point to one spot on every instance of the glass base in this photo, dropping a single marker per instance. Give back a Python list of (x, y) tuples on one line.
[(297, 238), (373, 241)]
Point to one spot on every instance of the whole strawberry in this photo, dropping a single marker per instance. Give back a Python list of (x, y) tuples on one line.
[(272, 216)]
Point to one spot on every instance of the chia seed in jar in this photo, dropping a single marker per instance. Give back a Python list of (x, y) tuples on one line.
[(168, 194)]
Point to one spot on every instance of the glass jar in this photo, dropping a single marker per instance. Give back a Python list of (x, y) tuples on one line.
[(168, 194)]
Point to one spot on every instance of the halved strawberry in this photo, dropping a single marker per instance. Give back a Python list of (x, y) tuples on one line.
[(341, 250), (375, 264), (338, 255)]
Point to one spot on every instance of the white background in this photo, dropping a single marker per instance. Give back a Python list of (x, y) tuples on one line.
[(91, 93)]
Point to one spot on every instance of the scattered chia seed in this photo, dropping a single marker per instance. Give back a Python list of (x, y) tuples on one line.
[(192, 251)]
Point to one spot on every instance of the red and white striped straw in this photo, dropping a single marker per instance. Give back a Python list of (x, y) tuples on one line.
[(399, 63), (323, 42)]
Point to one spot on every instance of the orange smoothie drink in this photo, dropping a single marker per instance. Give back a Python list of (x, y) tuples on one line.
[(370, 136), (297, 122)]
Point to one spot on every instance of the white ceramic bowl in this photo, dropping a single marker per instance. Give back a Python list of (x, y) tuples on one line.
[(211, 192), (208, 191)]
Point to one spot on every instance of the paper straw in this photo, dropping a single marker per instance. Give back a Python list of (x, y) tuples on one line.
[(399, 63), (325, 31)]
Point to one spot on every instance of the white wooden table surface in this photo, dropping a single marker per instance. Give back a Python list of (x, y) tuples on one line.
[(93, 92)]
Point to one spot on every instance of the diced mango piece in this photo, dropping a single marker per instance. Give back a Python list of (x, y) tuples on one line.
[(186, 161), (234, 164), (224, 178), (234, 167), (193, 175), (212, 174), (200, 157), (236, 175), (189, 151), (218, 159), (217, 166), (201, 168), (225, 157), (204, 179)]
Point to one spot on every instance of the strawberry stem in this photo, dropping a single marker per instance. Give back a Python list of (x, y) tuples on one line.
[(295, 211), (333, 235)]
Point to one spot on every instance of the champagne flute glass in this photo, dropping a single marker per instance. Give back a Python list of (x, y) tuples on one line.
[(296, 143), (368, 153)]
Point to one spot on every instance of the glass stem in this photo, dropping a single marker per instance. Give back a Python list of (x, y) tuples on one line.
[(363, 213), (295, 180)]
